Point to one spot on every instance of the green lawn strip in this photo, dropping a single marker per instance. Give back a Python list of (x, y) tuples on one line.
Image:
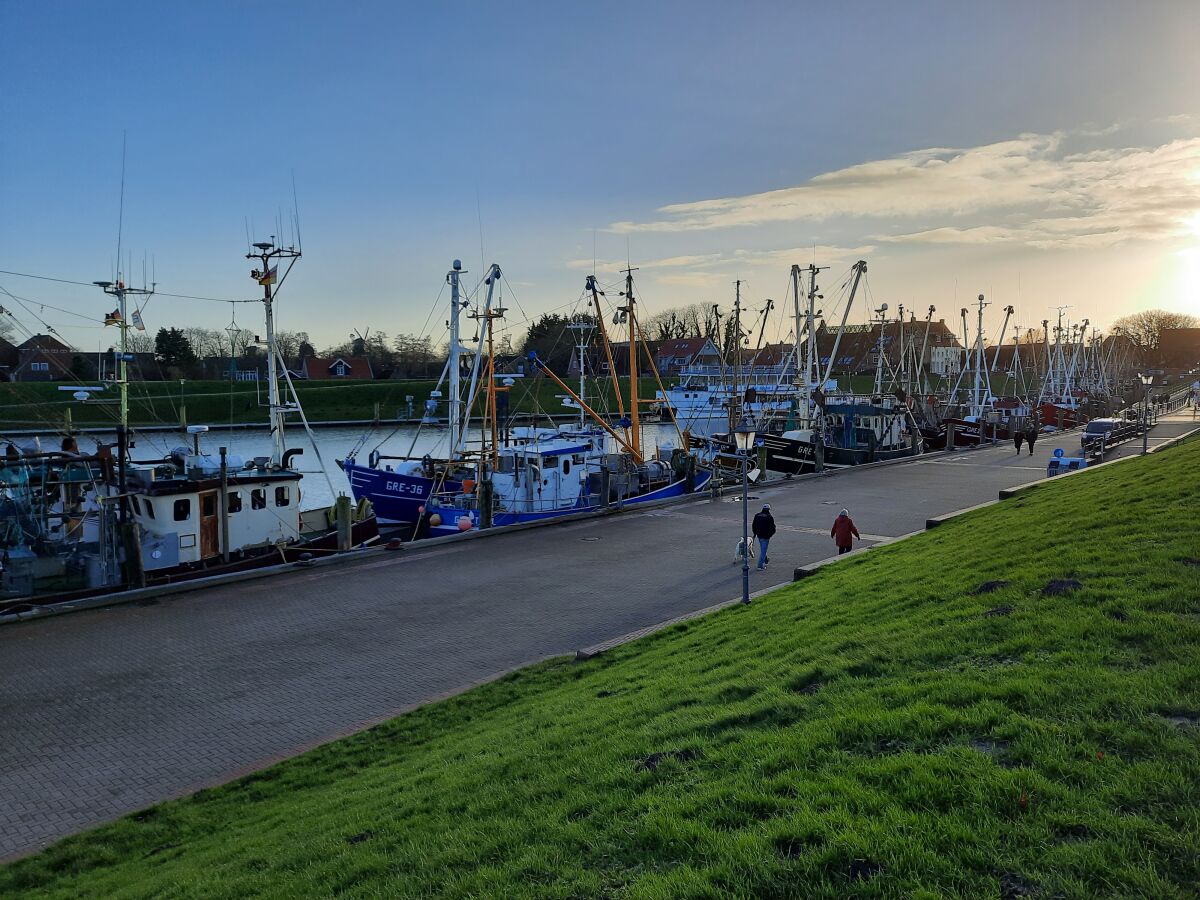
[(877, 730)]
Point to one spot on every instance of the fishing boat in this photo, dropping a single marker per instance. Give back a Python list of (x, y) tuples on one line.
[(826, 426), (398, 487), (79, 525), (536, 475)]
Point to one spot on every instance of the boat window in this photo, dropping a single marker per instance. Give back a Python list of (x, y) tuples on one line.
[(258, 498), (234, 502), (137, 507), (281, 496), (183, 510), (208, 505), (149, 508), (566, 465)]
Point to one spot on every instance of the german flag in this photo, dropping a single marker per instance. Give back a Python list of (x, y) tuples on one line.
[(113, 318), (270, 276)]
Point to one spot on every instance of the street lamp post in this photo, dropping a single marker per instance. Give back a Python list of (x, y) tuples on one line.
[(1147, 380), (744, 435)]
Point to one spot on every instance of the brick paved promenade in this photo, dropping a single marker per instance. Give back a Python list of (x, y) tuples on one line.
[(107, 711)]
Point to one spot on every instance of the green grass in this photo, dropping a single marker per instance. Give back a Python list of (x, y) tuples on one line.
[(872, 731), (43, 405)]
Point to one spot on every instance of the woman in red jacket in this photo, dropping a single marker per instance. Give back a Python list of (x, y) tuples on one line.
[(843, 528)]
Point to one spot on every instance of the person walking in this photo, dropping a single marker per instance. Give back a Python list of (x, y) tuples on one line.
[(843, 532), (1030, 437), (764, 529), (1018, 439)]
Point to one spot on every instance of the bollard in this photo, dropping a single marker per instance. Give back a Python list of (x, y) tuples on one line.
[(485, 503), (342, 514)]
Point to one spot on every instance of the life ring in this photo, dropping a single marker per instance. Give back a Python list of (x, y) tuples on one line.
[(373, 459)]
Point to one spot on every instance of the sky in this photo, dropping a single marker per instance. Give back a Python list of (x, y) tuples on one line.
[(1044, 154)]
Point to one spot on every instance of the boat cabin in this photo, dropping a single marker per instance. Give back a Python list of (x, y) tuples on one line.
[(542, 475), (180, 513)]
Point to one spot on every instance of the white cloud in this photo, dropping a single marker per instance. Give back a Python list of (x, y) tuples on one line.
[(1025, 191)]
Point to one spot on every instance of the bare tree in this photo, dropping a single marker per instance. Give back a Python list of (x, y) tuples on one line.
[(207, 343), (692, 321), (289, 343), (1145, 328), (139, 341)]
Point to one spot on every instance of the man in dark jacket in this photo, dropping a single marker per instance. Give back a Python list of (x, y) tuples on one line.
[(1031, 436), (843, 532), (764, 529)]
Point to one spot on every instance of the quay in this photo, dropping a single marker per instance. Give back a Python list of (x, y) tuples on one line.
[(111, 710)]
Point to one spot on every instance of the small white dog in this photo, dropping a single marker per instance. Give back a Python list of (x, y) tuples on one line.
[(740, 551)]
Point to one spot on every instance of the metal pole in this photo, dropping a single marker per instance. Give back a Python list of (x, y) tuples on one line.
[(1146, 421), (455, 415), (273, 400), (224, 505), (745, 528)]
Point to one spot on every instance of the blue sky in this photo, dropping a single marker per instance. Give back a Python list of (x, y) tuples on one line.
[(1065, 165)]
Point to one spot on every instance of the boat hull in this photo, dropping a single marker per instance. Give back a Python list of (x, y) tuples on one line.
[(362, 533), (397, 498), (451, 515)]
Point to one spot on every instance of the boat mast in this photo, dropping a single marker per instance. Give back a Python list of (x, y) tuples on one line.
[(121, 292), (630, 312), (924, 347), (267, 275), (581, 326), (880, 349), (1008, 311), (809, 328), (736, 401), (859, 268), (1076, 352), (590, 287), (454, 415), (801, 380), (978, 395), (484, 339)]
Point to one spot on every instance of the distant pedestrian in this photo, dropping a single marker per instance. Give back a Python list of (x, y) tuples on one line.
[(764, 529), (1031, 435), (1018, 439), (843, 532)]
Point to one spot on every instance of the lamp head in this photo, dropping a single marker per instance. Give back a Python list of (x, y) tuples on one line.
[(744, 435)]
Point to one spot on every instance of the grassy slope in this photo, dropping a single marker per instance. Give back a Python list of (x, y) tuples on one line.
[(218, 402), (868, 732)]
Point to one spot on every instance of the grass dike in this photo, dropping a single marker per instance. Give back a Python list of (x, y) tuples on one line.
[(1007, 706)]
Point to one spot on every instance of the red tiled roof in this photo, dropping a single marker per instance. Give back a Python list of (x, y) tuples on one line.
[(317, 369)]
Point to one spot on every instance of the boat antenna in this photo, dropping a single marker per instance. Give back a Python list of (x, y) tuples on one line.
[(296, 211), (479, 220), (121, 206)]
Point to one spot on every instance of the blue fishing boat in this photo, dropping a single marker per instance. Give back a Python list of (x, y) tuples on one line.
[(399, 486), (535, 475), (561, 475)]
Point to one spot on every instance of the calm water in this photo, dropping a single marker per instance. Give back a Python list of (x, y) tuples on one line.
[(321, 482)]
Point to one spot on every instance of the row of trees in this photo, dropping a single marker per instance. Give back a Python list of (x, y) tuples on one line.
[(183, 350)]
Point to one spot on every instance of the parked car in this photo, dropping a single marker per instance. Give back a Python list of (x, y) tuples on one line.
[(1098, 430)]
